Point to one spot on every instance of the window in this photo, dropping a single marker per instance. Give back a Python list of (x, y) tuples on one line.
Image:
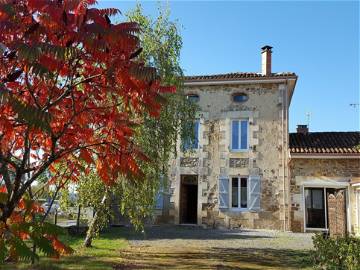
[(240, 97), (194, 142), (239, 192), (239, 135), (315, 208), (242, 193), (193, 98)]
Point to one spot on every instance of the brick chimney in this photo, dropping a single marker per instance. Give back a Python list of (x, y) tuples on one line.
[(302, 129), (266, 60)]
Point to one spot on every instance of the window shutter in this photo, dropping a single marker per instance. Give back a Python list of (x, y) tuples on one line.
[(254, 192), (159, 200), (223, 193), (196, 139)]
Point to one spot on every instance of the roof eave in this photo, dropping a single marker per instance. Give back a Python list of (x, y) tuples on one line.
[(239, 80), (325, 155)]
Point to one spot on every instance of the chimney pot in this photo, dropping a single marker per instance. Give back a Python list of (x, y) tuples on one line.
[(266, 60), (302, 129)]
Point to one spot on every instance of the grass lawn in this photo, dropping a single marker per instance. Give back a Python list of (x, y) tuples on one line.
[(102, 256), (112, 251)]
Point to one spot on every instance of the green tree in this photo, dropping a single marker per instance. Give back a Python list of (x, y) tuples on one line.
[(161, 46)]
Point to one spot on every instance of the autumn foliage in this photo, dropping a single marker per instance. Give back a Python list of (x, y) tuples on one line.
[(71, 90)]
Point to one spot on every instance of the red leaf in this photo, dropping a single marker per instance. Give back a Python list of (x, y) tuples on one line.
[(86, 156)]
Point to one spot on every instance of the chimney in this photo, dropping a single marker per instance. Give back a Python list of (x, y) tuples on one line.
[(266, 60), (302, 129)]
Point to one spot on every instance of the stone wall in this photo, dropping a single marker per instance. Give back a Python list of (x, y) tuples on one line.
[(266, 110), (321, 173)]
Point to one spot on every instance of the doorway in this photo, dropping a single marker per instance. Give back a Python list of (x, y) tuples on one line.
[(188, 199)]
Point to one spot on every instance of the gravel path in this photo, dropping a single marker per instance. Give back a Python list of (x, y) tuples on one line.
[(194, 248), (174, 236)]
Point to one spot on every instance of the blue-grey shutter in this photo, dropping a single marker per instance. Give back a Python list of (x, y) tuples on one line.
[(254, 192), (159, 200), (223, 192), (196, 139)]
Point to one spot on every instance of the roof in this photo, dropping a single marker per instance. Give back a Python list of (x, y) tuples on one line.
[(238, 76), (325, 143)]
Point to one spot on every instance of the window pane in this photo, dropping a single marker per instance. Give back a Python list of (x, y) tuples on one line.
[(240, 97), (193, 98), (317, 199), (235, 135), (235, 193), (243, 193), (244, 128)]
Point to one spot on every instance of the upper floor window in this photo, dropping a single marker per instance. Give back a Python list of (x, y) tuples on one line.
[(239, 135), (193, 98), (240, 97), (193, 143)]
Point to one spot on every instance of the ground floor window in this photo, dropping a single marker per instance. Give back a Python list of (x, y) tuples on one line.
[(317, 206), (239, 192)]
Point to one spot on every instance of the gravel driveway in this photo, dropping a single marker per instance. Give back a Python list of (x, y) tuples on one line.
[(181, 247)]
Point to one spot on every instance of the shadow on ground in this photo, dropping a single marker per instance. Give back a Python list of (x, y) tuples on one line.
[(188, 233), (212, 258)]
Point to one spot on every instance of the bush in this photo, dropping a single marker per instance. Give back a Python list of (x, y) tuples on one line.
[(342, 253)]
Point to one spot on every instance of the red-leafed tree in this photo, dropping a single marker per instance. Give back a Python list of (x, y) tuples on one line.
[(70, 91)]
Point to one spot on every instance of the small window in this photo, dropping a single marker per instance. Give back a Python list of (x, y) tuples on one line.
[(240, 97), (193, 98)]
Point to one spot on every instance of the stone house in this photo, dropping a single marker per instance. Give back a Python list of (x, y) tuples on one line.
[(236, 173), (239, 172)]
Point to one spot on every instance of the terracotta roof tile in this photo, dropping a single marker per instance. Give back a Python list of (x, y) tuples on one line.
[(325, 142), (236, 75)]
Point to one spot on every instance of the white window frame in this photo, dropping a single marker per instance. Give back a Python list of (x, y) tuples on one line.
[(239, 208), (239, 142)]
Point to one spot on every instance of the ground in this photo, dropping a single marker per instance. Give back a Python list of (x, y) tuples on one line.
[(194, 248), (186, 248)]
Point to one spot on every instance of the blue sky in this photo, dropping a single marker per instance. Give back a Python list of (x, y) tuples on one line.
[(319, 41)]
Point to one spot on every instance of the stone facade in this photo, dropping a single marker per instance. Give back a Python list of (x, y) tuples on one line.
[(327, 173), (267, 112)]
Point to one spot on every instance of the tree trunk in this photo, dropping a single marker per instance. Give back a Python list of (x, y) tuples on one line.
[(94, 223)]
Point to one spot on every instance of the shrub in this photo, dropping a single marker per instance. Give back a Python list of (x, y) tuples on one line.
[(336, 253)]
